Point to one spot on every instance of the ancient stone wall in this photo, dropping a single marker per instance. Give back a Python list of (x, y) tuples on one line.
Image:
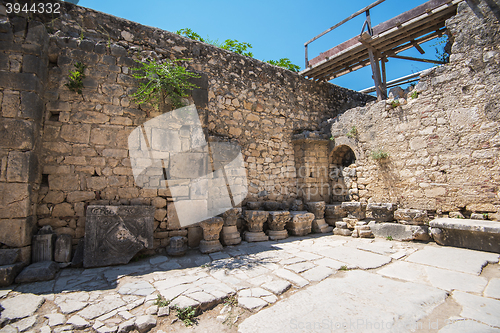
[(444, 145), (83, 154)]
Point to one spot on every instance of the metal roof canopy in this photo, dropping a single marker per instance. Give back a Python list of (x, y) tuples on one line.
[(407, 30)]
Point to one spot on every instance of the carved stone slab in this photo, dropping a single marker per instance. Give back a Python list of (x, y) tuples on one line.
[(114, 234)]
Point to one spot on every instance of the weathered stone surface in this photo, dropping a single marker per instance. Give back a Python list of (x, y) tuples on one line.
[(399, 231), (21, 306), (39, 271), (411, 216), (251, 236), (114, 234), (320, 226), (22, 167), (16, 134), (317, 208), (277, 220), (14, 202), (9, 256), (478, 308), (471, 234), (409, 303), (231, 216), (300, 223), (277, 287), (342, 232), (96, 310), (78, 322), (56, 319), (255, 220), (230, 235), (195, 235), (77, 260), (355, 257), (253, 205), (380, 212), (334, 213), (493, 289), (251, 303), (460, 260), (210, 246), (355, 210), (62, 251), (277, 235), (177, 246), (43, 245), (272, 205), (9, 272), (211, 228)]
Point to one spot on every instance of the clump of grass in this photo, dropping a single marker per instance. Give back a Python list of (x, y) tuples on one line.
[(231, 301), (353, 133), (395, 103), (344, 268), (414, 94), (389, 238), (162, 302), (379, 154), (186, 314)]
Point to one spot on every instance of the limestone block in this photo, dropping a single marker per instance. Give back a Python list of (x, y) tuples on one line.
[(255, 219), (64, 182), (342, 232), (16, 232), (277, 234), (259, 236), (355, 210), (8, 273), (22, 167), (114, 234), (9, 256), (297, 205), (43, 245), (16, 134), (334, 213), (14, 200), (76, 133), (231, 216), (195, 235), (40, 271), (317, 208), (351, 223), (380, 212), (177, 246), (277, 220), (230, 235), (400, 232), (320, 226), (300, 223), (210, 246), (62, 251), (411, 216)]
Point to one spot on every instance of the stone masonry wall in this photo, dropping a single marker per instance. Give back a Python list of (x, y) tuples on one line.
[(83, 152), (444, 145)]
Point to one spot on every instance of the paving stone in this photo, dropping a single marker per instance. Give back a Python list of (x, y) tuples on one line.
[(358, 258), (56, 319), (482, 309), (307, 255), (378, 247), (251, 303), (163, 311), (493, 289), (173, 292), (158, 260), (64, 328), (359, 297), (45, 329), (184, 302), (141, 288), (292, 277), (468, 326), (439, 278), (270, 299), (9, 329), (152, 310), (219, 255), (206, 300), (126, 326), (107, 329), (103, 307), (4, 292), (78, 322), (125, 315), (461, 260), (317, 273), (327, 262), (300, 267), (25, 324), (20, 306), (71, 306), (277, 287)]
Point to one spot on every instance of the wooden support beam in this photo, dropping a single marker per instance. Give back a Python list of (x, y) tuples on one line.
[(419, 49), (417, 59), (384, 77), (364, 39)]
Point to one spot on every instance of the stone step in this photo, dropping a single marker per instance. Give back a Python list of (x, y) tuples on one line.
[(467, 233)]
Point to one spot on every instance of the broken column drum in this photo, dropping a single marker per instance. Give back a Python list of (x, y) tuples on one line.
[(356, 211), (276, 222), (211, 230), (334, 213), (318, 209), (177, 246), (300, 223), (255, 222), (230, 233)]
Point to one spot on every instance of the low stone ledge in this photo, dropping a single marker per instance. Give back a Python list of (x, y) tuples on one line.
[(466, 225)]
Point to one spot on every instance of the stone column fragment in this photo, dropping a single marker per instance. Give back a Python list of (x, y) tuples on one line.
[(43, 245), (62, 252), (300, 223), (334, 213), (318, 209), (211, 230), (255, 221), (177, 246), (230, 233), (276, 222)]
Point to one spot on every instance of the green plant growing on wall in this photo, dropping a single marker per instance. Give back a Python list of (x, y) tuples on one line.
[(285, 63), (414, 94), (353, 133), (162, 80), (76, 78), (395, 103), (187, 32), (379, 154)]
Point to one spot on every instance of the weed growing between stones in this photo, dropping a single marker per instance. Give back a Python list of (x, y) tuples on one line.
[(186, 314), (353, 133), (76, 78), (343, 268), (379, 154), (231, 301), (414, 94), (161, 302), (389, 238)]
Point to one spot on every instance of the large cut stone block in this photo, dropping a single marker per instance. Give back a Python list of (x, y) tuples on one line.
[(380, 212), (16, 134), (255, 220), (411, 216), (62, 252), (16, 232), (300, 223), (400, 232), (355, 210), (277, 220), (9, 272), (40, 271), (14, 201), (317, 208), (22, 167), (43, 247), (114, 234), (470, 234), (9, 256), (334, 213)]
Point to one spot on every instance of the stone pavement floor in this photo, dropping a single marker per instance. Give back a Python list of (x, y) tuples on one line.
[(318, 283)]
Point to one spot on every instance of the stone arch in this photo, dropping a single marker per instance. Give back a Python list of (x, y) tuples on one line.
[(341, 176)]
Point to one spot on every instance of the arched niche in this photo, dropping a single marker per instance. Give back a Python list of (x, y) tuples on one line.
[(341, 175)]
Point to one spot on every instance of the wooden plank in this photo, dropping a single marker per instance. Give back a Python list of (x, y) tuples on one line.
[(418, 59), (419, 49)]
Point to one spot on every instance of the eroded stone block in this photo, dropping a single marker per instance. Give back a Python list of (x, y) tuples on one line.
[(62, 251), (114, 234), (300, 223), (411, 216), (380, 212), (355, 210)]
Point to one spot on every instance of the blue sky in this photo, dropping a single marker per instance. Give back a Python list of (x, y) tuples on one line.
[(275, 28)]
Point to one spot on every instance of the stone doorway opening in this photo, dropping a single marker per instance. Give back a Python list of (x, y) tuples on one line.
[(342, 173)]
